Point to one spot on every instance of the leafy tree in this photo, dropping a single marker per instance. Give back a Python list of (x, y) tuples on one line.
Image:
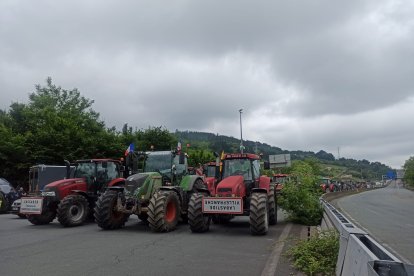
[(409, 171), (60, 124), (199, 156), (300, 196)]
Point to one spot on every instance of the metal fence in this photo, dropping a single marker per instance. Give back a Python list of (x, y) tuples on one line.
[(359, 254)]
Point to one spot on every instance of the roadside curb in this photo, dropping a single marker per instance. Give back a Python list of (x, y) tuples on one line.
[(278, 262)]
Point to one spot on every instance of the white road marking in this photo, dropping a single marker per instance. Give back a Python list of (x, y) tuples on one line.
[(271, 264)]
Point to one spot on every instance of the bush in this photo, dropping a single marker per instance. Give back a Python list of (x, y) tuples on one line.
[(318, 255), (300, 198), (301, 205)]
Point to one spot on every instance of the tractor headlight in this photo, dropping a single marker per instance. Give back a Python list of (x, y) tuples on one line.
[(48, 193)]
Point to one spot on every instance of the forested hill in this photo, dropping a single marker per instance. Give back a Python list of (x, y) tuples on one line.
[(215, 142)]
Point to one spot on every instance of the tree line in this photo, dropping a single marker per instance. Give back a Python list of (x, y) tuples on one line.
[(57, 124)]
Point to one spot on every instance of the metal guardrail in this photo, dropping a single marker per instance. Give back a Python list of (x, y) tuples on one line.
[(359, 254)]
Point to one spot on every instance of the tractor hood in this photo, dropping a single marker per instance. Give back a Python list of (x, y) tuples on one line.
[(61, 188), (232, 185), (135, 181), (65, 182)]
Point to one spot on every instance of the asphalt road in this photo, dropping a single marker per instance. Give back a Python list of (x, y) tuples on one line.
[(387, 214), (134, 250)]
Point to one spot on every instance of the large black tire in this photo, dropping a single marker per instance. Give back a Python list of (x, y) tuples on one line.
[(259, 220), (73, 210), (198, 221), (163, 211), (105, 215), (46, 217), (3, 203), (198, 184), (272, 205)]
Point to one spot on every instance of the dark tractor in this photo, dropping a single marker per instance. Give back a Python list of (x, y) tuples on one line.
[(72, 199), (158, 195), (240, 192)]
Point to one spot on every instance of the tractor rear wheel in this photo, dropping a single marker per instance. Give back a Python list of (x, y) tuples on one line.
[(259, 220), (163, 211), (46, 217), (198, 221), (105, 214), (272, 205), (73, 210)]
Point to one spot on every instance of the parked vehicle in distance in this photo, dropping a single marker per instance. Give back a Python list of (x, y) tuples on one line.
[(41, 175), (279, 179), (8, 194)]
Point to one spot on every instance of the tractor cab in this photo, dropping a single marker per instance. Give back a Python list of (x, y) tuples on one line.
[(279, 179), (239, 169), (210, 169), (97, 173), (170, 165)]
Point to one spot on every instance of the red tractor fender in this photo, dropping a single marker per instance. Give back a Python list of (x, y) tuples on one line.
[(211, 185), (264, 183), (116, 182)]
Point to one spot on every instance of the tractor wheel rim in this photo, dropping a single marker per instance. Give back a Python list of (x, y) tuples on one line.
[(76, 212), (170, 211)]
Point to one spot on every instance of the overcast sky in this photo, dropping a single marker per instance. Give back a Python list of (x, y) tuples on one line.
[(309, 75)]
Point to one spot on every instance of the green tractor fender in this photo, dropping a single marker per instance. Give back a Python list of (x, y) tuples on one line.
[(152, 184), (192, 183)]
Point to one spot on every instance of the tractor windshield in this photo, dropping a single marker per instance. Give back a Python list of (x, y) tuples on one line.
[(280, 179), (210, 171), (238, 167), (85, 170), (158, 161)]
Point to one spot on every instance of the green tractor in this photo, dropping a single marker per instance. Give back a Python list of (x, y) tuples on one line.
[(158, 194)]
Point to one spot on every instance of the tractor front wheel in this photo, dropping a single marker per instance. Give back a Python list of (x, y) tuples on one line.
[(198, 221), (163, 211), (259, 220), (73, 210), (272, 205), (106, 215), (46, 217)]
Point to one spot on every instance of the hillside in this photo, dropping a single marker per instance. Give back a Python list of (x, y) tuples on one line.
[(336, 168)]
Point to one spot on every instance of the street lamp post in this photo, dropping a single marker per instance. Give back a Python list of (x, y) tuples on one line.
[(241, 131)]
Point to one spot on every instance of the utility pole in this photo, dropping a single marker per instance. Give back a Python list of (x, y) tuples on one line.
[(241, 131)]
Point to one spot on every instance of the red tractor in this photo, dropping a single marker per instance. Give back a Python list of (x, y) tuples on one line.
[(73, 199), (240, 192), (212, 175)]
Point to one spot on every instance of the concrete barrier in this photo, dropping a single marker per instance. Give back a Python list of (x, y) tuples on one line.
[(359, 254)]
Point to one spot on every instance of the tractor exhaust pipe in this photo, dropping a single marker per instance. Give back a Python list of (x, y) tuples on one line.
[(67, 163)]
